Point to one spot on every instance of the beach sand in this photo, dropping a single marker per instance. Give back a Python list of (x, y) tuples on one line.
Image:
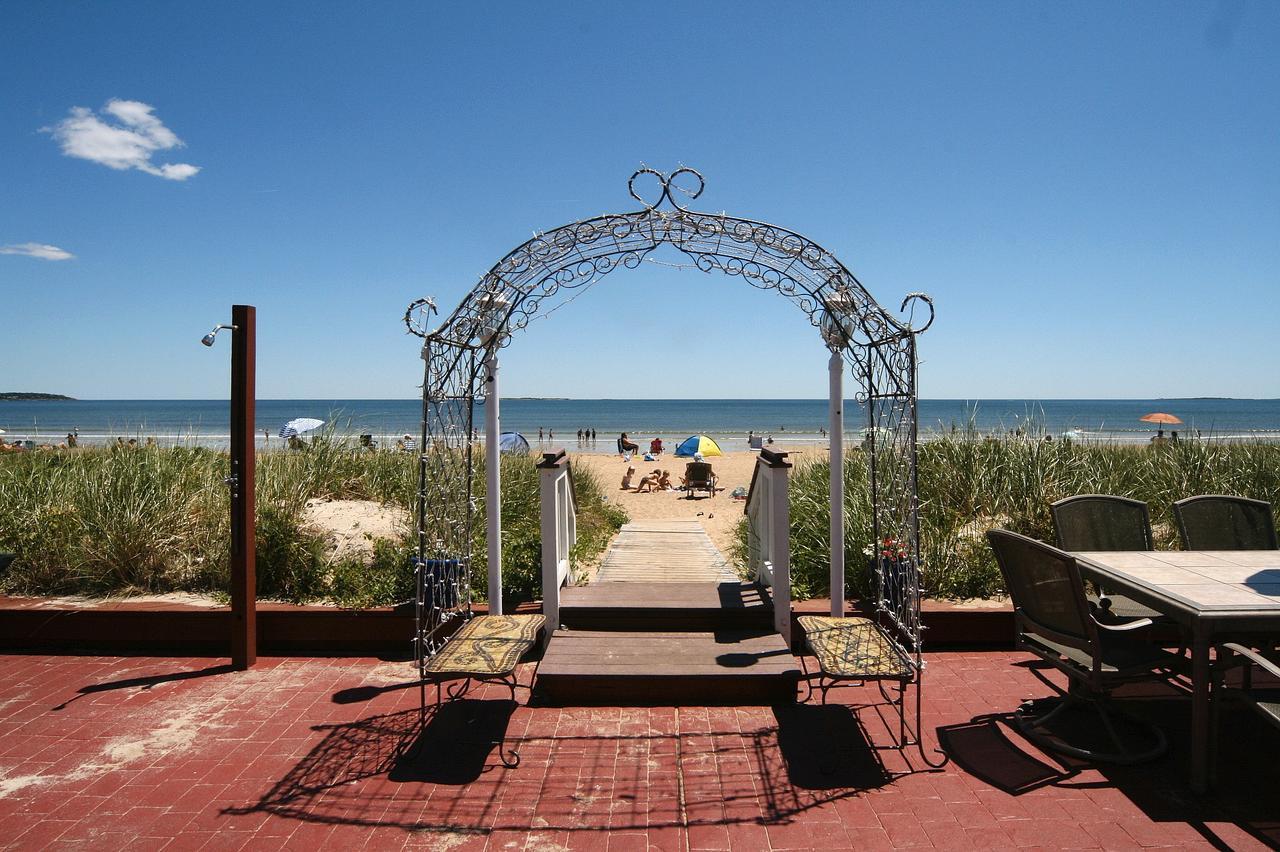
[(719, 515)]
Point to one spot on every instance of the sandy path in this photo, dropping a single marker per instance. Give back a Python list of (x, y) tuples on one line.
[(719, 515)]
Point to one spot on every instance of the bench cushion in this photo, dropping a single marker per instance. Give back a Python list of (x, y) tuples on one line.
[(487, 645), (853, 648)]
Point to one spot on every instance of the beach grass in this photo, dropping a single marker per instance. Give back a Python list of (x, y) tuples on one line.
[(970, 483), (150, 520)]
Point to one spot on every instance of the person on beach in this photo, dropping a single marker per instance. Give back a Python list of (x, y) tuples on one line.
[(650, 482), (626, 478), (593, 436), (71, 440), (626, 445), (664, 481), (655, 446), (539, 433), (1159, 439), (697, 459)]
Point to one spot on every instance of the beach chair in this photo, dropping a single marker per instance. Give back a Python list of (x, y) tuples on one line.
[(699, 477)]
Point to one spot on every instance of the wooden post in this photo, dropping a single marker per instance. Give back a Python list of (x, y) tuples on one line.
[(244, 630)]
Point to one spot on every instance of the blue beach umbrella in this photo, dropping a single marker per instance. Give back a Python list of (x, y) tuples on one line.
[(513, 442), (695, 444)]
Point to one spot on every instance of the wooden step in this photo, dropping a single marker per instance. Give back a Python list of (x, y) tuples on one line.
[(666, 606), (644, 669)]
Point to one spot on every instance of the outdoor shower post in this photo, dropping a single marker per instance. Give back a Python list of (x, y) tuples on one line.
[(244, 631), (836, 370), (493, 481)]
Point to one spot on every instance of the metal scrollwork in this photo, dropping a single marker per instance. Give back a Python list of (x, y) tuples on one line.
[(666, 184), (554, 267)]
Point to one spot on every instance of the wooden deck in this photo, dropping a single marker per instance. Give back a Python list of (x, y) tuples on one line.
[(666, 621), (638, 668), (662, 606)]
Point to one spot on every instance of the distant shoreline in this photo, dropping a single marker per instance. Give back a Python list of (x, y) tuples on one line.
[(16, 396)]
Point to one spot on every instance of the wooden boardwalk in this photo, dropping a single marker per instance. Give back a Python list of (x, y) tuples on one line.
[(664, 552)]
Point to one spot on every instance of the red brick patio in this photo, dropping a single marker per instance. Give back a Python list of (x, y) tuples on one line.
[(151, 753)]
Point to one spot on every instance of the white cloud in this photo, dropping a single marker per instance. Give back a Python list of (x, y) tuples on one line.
[(128, 143), (40, 250)]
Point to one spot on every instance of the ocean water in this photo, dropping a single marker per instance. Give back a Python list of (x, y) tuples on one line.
[(790, 421)]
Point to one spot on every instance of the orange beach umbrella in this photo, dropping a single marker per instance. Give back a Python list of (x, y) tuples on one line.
[(1161, 418)]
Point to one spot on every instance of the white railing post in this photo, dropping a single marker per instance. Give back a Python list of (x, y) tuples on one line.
[(780, 545), (768, 513), (559, 525), (493, 483), (836, 403)]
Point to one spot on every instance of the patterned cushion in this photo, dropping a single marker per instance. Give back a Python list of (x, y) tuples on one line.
[(853, 647), (487, 645), (523, 627)]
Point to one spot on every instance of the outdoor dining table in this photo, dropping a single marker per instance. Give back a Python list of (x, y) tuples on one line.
[(1213, 594)]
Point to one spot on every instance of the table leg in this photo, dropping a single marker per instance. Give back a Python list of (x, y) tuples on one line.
[(1199, 710)]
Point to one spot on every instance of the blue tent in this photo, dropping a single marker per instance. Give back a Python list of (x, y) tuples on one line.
[(513, 442), (698, 444)]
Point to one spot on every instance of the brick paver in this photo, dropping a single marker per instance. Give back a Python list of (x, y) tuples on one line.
[(315, 754)]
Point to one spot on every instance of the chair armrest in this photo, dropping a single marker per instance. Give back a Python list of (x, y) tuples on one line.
[(1254, 656), (1136, 624)]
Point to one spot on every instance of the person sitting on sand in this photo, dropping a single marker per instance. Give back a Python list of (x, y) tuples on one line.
[(650, 482), (664, 481), (626, 478)]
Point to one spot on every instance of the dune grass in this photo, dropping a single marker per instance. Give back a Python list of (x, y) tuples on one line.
[(99, 521), (969, 484)]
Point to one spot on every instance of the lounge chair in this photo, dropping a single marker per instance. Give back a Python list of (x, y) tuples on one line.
[(1054, 621), (1223, 522), (698, 476)]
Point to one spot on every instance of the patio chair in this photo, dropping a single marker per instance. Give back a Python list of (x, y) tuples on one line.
[(1265, 700), (698, 476), (1105, 522), (1054, 621), (1224, 522)]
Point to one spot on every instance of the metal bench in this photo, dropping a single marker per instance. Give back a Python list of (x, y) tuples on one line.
[(861, 650), (487, 649)]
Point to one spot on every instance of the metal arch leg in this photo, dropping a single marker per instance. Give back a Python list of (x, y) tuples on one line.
[(946, 758), (808, 681)]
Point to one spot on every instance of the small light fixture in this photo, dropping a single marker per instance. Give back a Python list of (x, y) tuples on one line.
[(208, 339), (837, 322)]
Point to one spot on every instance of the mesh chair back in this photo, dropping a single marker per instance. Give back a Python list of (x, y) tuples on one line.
[(1223, 522), (1045, 586), (1102, 522)]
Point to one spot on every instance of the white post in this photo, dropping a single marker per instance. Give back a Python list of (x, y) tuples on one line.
[(550, 472), (836, 370), (780, 536), (493, 478)]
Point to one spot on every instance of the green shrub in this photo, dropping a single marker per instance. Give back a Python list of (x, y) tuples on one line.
[(969, 484), (116, 521)]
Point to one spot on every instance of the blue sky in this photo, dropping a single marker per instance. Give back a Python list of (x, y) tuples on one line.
[(1090, 192)]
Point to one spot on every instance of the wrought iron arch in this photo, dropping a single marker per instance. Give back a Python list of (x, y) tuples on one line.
[(879, 347)]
